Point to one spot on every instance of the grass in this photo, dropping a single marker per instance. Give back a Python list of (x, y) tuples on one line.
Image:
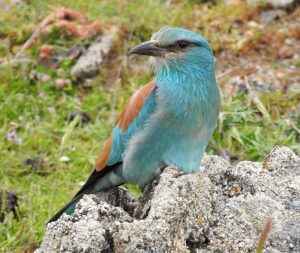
[(249, 127)]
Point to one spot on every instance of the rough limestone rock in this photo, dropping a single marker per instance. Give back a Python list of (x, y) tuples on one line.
[(88, 64), (221, 209)]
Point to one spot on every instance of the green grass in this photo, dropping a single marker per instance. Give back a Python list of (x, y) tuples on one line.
[(249, 126)]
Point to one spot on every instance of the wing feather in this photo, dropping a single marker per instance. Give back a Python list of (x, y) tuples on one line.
[(131, 111), (134, 106), (103, 157)]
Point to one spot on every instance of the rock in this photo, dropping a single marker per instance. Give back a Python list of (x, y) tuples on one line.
[(286, 4), (88, 63), (83, 117), (51, 58), (267, 189), (7, 5), (89, 229), (179, 217), (8, 203), (264, 80), (48, 57), (268, 16), (221, 209), (34, 165), (62, 83)]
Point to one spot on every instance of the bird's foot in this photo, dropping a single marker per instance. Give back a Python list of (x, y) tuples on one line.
[(143, 207)]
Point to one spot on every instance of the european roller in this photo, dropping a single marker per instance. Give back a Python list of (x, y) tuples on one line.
[(170, 120)]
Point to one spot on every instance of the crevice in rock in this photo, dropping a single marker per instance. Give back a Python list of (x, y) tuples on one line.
[(193, 244), (110, 240)]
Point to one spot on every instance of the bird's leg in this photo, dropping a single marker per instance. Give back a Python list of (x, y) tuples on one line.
[(148, 188), (123, 200)]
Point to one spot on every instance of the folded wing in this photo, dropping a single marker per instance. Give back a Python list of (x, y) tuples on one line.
[(131, 121)]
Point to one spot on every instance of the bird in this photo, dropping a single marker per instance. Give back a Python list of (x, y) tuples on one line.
[(168, 121)]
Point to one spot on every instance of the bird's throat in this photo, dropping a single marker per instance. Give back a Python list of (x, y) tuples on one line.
[(187, 93)]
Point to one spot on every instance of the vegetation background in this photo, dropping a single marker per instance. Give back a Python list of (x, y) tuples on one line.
[(45, 156)]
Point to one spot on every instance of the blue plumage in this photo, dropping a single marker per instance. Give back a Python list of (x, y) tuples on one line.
[(121, 138), (169, 121), (187, 105)]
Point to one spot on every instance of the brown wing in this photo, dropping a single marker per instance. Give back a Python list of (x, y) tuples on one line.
[(130, 111)]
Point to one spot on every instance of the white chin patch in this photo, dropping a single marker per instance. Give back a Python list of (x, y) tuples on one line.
[(157, 61), (169, 59)]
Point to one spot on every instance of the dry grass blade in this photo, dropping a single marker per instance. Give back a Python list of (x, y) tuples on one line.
[(264, 235)]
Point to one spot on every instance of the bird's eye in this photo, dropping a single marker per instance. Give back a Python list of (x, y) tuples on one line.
[(183, 43)]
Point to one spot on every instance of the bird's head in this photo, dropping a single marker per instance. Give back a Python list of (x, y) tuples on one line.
[(178, 49)]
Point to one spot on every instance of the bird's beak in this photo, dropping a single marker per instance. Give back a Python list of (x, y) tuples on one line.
[(148, 48)]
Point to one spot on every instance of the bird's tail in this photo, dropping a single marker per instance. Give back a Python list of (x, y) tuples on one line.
[(68, 208), (97, 181)]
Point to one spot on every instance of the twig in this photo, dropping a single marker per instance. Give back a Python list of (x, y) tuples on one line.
[(58, 14), (36, 34), (15, 61)]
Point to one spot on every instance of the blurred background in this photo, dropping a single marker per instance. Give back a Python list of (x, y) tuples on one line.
[(64, 77)]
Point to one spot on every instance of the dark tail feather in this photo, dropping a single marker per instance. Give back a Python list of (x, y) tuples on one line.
[(94, 177), (87, 188), (68, 208)]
